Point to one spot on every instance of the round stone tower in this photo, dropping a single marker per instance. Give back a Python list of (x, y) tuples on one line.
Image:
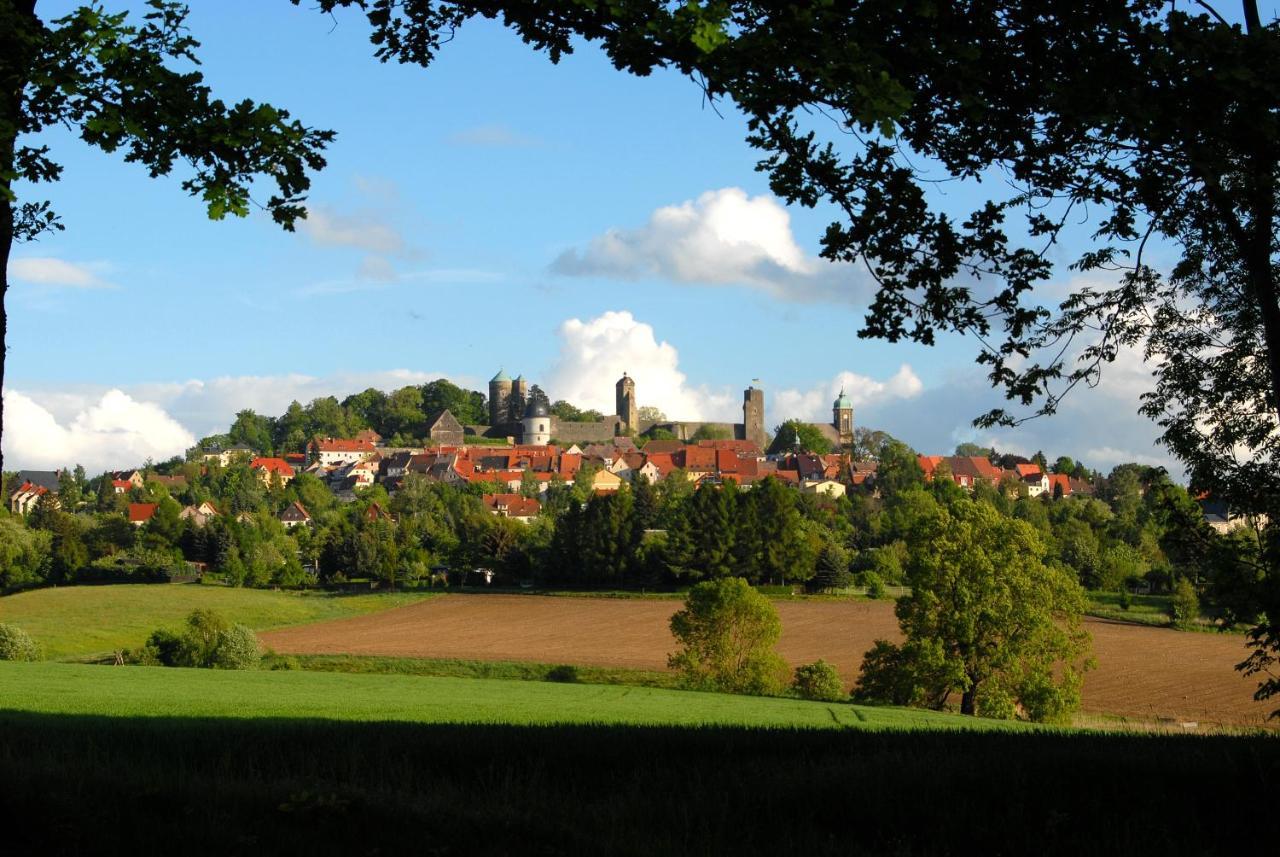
[(499, 396)]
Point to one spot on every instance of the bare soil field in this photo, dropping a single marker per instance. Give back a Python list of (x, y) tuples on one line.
[(1143, 673)]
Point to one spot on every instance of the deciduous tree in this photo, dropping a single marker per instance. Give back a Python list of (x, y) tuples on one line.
[(727, 632), (986, 618)]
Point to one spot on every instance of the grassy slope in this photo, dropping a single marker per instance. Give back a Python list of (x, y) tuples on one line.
[(86, 621), (159, 692)]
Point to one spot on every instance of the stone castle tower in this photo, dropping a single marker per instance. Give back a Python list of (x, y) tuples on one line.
[(504, 395), (842, 419), (499, 398), (627, 410), (753, 415)]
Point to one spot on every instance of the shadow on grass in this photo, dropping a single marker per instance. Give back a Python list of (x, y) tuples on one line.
[(95, 784)]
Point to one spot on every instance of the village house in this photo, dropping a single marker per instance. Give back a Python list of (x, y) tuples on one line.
[(269, 468), (330, 450), (226, 456), (295, 514), (199, 515), (512, 506), (140, 513)]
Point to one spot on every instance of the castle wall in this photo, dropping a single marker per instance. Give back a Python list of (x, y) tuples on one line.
[(567, 432)]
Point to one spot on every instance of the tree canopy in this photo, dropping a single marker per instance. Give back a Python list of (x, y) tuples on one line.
[(115, 82), (986, 618), (1116, 129)]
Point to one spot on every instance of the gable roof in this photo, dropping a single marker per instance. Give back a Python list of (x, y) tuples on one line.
[(47, 479), (295, 511), (139, 512), (445, 422), (663, 446), (272, 465), (512, 505)]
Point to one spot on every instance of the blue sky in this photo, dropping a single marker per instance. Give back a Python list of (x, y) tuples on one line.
[(462, 225)]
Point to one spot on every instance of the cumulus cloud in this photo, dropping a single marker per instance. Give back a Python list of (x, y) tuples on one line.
[(1099, 426), (814, 404), (48, 271), (724, 237), (595, 353), (496, 135), (115, 431), (117, 428)]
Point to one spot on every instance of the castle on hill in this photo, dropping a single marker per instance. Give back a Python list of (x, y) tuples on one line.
[(539, 426)]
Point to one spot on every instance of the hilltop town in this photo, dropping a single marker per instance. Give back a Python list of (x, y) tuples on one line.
[(526, 446)]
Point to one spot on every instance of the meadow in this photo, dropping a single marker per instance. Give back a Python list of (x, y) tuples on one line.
[(88, 622), (76, 689), (129, 760)]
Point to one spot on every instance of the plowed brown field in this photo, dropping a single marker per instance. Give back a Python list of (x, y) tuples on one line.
[(1142, 672)]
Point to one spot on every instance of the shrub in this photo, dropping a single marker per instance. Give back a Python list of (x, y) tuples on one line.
[(17, 645), (208, 640), (818, 680), (564, 673), (1184, 606), (1125, 600), (727, 632), (874, 584), (237, 649)]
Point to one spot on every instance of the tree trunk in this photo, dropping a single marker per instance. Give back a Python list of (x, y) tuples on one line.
[(969, 701), (17, 40)]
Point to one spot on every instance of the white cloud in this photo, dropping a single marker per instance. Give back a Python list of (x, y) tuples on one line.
[(595, 353), (48, 271), (814, 404), (116, 431), (113, 429), (495, 135), (724, 237), (363, 231), (370, 230)]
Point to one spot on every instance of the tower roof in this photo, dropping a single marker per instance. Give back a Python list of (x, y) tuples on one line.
[(536, 408), (501, 376), (843, 402)]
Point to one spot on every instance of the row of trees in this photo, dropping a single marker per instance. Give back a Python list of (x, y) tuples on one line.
[(1140, 531)]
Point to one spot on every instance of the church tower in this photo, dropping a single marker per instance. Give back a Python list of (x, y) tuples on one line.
[(842, 419), (627, 411), (753, 415)]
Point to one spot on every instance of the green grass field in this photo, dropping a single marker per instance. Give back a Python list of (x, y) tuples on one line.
[(51, 688), (84, 622)]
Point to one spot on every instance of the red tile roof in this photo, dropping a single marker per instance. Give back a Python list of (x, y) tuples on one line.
[(342, 444), (139, 512), (272, 465), (512, 505), (1062, 480), (1025, 470), (698, 458), (122, 484)]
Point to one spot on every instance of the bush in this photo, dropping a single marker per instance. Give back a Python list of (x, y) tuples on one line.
[(874, 585), (237, 649), (1125, 600), (208, 641), (1184, 606), (818, 680), (564, 673), (17, 645), (727, 632)]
